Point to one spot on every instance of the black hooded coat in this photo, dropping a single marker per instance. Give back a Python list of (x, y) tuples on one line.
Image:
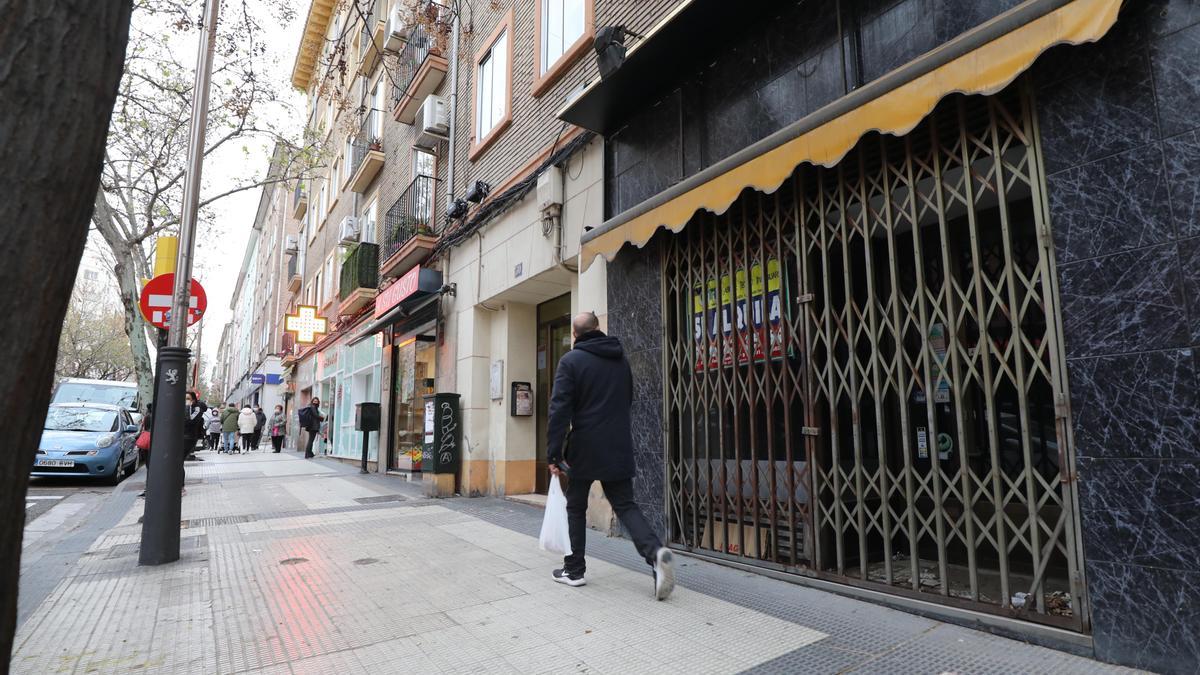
[(592, 396)]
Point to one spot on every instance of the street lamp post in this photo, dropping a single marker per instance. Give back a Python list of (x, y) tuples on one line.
[(164, 484)]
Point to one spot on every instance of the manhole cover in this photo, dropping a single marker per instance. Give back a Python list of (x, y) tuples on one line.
[(293, 561)]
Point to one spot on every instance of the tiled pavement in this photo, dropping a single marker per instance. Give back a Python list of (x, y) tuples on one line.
[(294, 566)]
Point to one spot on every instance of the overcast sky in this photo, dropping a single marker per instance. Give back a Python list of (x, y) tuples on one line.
[(219, 252)]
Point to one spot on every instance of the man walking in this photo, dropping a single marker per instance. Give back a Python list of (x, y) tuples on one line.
[(310, 421), (593, 394)]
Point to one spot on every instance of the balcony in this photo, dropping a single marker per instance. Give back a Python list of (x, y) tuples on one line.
[(360, 279), (410, 230), (367, 152), (299, 201), (419, 73), (287, 349), (370, 40), (293, 274)]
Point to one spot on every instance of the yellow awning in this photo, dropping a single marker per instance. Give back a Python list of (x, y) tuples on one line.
[(894, 104)]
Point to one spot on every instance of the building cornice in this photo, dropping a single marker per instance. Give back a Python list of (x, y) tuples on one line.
[(309, 52)]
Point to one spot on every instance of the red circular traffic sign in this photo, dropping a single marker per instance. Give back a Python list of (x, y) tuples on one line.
[(156, 301)]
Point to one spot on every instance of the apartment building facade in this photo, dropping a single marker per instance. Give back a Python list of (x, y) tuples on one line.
[(446, 165), (253, 342)]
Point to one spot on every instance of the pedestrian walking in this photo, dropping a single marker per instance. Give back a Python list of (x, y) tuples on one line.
[(229, 428), (593, 395), (262, 423), (310, 421), (193, 426), (212, 426), (147, 427), (246, 422), (277, 427)]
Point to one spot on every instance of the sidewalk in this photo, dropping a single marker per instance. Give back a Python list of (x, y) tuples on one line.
[(294, 566)]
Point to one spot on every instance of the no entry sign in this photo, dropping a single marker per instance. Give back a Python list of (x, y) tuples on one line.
[(156, 301)]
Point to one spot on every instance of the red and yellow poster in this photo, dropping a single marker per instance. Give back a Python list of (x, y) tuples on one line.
[(744, 323)]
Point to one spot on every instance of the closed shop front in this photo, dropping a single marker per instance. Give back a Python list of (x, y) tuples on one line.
[(862, 371)]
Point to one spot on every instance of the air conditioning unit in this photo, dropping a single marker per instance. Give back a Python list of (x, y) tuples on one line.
[(432, 123), (397, 29), (290, 245), (349, 230), (550, 189)]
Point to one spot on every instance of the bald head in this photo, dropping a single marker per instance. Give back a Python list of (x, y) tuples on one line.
[(584, 322)]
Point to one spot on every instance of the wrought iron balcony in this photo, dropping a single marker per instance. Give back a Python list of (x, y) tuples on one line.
[(287, 347), (299, 201), (366, 157), (370, 40), (410, 227), (359, 282), (420, 71)]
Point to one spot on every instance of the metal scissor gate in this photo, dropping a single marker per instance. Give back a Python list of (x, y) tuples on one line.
[(864, 372)]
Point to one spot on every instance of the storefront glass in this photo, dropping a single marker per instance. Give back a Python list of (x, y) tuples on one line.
[(413, 378)]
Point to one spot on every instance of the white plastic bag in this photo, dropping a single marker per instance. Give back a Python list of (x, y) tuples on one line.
[(556, 535)]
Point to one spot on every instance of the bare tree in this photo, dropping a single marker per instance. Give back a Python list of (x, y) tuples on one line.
[(59, 71), (93, 343), (140, 194)]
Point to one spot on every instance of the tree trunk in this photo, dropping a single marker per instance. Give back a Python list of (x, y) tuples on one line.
[(59, 70), (135, 325)]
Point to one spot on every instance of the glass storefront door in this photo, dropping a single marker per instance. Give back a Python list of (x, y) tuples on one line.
[(413, 379), (553, 341)]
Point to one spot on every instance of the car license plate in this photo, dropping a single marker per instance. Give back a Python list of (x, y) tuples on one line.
[(65, 463)]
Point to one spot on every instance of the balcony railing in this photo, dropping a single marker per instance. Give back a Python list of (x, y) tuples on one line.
[(411, 215), (287, 346), (299, 200), (360, 270), (419, 45), (368, 37), (367, 134)]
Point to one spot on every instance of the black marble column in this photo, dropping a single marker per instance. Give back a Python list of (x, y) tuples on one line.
[(1119, 127), (635, 316)]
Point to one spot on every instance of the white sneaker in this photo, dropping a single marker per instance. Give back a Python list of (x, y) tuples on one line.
[(664, 573), (564, 577)]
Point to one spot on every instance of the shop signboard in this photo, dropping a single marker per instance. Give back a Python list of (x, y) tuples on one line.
[(418, 281), (739, 318)]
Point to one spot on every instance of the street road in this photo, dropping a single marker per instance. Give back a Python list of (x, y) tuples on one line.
[(62, 518)]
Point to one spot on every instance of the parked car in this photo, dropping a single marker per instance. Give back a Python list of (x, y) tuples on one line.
[(87, 439), (80, 390)]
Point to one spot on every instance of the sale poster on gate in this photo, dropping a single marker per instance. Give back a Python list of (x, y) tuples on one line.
[(739, 318)]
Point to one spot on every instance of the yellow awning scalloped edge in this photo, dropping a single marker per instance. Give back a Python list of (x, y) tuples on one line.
[(985, 70)]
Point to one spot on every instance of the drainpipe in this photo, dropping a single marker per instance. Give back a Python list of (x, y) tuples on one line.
[(455, 33)]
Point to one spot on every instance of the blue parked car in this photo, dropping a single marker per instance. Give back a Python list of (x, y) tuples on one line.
[(87, 439)]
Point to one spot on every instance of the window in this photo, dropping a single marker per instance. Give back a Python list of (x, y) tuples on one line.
[(423, 163), (318, 289), (367, 223), (564, 32), (377, 104), (493, 70), (91, 275), (330, 288)]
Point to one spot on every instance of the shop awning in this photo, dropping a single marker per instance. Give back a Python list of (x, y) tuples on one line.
[(981, 61), (408, 308)]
